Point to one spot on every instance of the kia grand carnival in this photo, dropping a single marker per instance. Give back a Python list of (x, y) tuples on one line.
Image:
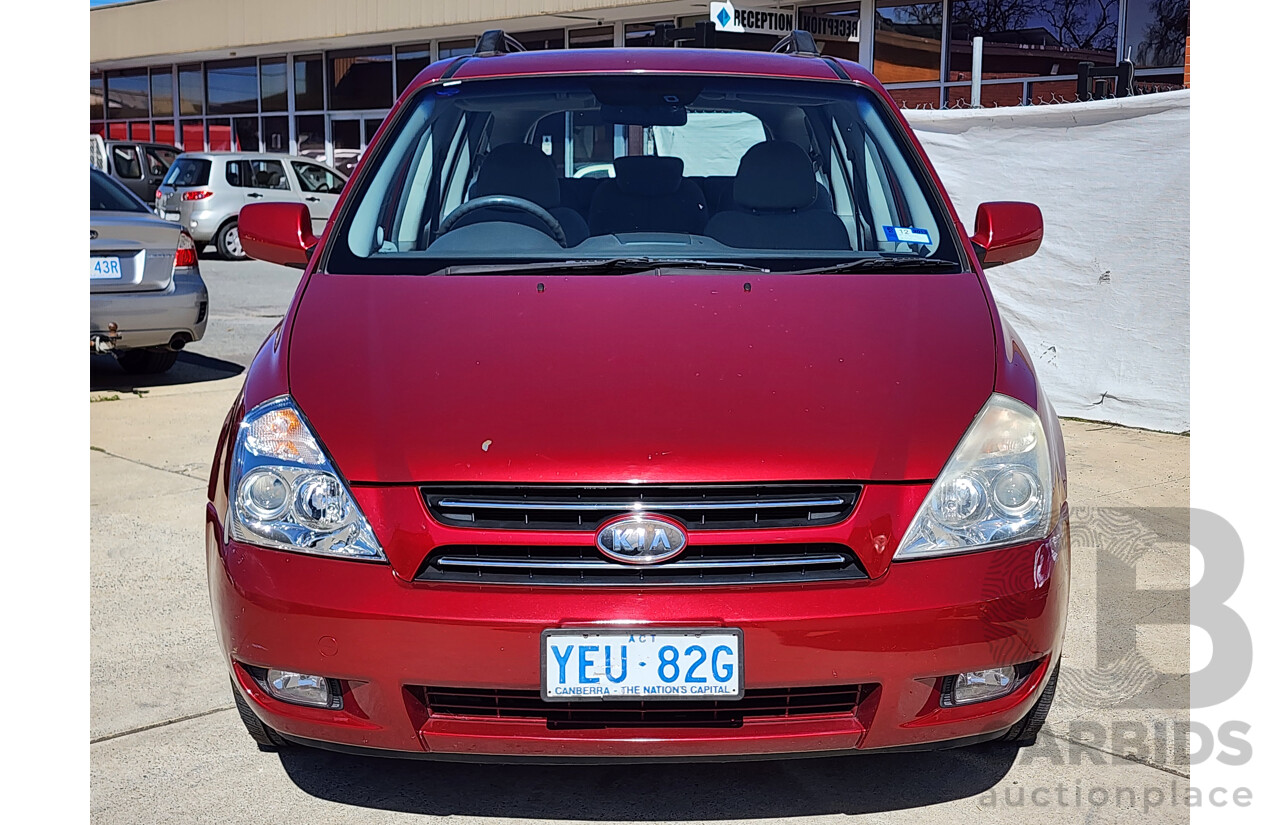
[(727, 454)]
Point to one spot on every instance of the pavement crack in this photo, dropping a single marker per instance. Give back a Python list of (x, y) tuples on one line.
[(1126, 756), (179, 473), (108, 737)]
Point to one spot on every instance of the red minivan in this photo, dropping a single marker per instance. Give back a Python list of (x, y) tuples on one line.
[(641, 404)]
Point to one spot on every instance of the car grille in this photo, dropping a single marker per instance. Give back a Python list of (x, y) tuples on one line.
[(766, 703), (698, 565), (698, 507)]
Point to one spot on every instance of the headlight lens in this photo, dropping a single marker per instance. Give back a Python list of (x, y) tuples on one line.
[(996, 489), (287, 494)]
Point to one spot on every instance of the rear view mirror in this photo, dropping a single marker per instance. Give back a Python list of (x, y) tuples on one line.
[(669, 114), (277, 232), (1007, 231)]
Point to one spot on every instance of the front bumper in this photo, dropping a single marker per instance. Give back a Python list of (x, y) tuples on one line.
[(151, 319), (896, 635)]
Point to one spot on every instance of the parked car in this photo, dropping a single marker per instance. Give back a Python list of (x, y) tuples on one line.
[(139, 165), (703, 468), (204, 191), (146, 297)]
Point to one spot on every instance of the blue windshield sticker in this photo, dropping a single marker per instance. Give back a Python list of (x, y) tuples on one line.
[(907, 234)]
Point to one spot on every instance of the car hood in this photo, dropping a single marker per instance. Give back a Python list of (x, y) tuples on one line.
[(641, 378)]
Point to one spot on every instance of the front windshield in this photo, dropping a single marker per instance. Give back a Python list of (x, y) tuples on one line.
[(776, 174)]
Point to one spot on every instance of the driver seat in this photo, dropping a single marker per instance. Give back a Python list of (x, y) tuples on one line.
[(523, 171)]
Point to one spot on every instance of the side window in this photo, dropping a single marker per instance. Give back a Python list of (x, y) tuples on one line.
[(312, 178), (124, 159), (238, 173), (268, 174), (158, 160)]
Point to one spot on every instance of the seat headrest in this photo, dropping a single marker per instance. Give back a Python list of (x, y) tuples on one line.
[(648, 175), (775, 175), (521, 170)]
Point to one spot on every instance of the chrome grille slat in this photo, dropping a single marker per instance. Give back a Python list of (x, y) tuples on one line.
[(596, 565), (698, 507), (586, 566), (639, 504)]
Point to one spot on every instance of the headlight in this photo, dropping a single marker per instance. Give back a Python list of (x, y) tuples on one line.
[(286, 493), (996, 490)]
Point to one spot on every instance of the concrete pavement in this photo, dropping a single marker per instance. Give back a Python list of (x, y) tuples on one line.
[(168, 747)]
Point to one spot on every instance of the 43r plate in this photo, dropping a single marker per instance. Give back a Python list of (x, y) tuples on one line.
[(641, 664)]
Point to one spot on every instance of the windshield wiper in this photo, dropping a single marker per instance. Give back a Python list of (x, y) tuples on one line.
[(879, 264), (604, 266)]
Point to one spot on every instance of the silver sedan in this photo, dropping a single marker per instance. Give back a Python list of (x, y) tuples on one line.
[(146, 297)]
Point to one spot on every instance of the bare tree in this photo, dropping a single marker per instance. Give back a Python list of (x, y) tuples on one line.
[(1165, 38), (984, 17), (1083, 24)]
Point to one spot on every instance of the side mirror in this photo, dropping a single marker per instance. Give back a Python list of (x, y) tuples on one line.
[(277, 232), (1003, 232)]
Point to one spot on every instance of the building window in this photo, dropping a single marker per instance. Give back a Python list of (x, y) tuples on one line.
[(1021, 40), (642, 34), (310, 129), (834, 26), (275, 134), (410, 60), (140, 131), (246, 134), (360, 79), (596, 37), (1155, 32), (164, 133), (908, 45), (537, 41), (308, 82), (232, 87), (219, 134), (457, 48), (162, 92), (95, 97), (127, 94), (192, 136), (273, 74), (191, 93)]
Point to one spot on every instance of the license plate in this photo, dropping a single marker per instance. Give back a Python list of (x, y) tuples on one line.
[(104, 268), (641, 664), (172, 216)]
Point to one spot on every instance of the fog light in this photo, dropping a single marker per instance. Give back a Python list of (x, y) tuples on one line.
[(299, 688), (980, 685)]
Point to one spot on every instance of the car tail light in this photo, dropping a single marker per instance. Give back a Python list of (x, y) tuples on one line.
[(186, 255), (159, 195), (196, 195)]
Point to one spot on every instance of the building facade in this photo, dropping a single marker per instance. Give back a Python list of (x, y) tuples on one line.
[(316, 77)]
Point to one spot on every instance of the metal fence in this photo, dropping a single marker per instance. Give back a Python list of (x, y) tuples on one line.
[(1016, 91)]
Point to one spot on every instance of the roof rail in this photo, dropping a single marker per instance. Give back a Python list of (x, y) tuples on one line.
[(799, 42), (495, 42)]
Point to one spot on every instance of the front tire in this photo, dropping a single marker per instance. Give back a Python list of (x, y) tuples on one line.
[(1024, 733), (146, 361), (228, 242), (259, 731)]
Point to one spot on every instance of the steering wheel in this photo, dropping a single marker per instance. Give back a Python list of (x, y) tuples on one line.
[(506, 202)]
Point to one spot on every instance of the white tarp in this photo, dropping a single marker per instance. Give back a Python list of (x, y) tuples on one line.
[(1104, 306), (711, 143)]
